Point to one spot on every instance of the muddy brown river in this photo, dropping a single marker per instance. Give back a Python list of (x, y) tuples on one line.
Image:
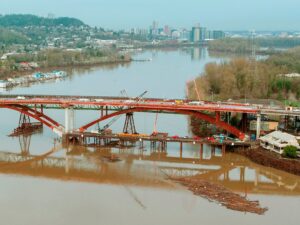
[(43, 182)]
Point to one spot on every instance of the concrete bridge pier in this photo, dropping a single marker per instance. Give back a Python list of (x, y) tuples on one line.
[(69, 120), (258, 122), (69, 124)]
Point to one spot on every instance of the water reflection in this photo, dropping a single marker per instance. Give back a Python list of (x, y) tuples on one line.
[(198, 53), (24, 141), (149, 168)]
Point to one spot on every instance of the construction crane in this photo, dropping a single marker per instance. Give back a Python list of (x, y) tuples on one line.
[(123, 93), (101, 130), (140, 97)]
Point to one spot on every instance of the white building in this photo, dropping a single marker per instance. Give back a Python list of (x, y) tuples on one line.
[(277, 140)]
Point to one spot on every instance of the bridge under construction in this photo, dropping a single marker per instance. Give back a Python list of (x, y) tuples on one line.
[(216, 113)]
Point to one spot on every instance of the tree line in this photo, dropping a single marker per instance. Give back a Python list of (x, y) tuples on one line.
[(243, 78), (245, 45), (22, 20), (59, 58)]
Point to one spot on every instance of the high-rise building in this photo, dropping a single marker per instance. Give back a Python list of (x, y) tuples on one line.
[(154, 28), (185, 35), (167, 30), (209, 35), (218, 34), (203, 34), (175, 34), (195, 34)]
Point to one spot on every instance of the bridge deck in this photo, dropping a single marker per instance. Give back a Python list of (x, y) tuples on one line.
[(97, 102)]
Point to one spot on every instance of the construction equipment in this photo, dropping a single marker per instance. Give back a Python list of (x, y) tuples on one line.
[(140, 97), (129, 122), (101, 130), (124, 93)]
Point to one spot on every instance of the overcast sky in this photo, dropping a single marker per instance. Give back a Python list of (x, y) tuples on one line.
[(214, 14)]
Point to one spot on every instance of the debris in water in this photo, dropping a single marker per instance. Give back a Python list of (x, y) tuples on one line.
[(218, 193)]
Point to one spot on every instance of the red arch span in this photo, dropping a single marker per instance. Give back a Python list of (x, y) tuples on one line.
[(44, 119), (210, 119)]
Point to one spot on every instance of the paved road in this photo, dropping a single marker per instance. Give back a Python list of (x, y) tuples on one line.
[(95, 102)]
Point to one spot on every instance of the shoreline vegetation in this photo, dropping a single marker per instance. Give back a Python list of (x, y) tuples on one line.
[(264, 46), (17, 65), (275, 79), (242, 78), (248, 81)]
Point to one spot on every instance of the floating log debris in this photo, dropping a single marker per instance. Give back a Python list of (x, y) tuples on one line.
[(218, 193)]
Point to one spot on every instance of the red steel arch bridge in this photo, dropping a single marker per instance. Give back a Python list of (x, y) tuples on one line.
[(110, 107)]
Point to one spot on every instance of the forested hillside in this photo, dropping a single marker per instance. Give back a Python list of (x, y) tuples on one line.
[(20, 20)]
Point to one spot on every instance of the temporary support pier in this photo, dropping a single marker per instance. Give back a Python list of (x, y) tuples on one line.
[(119, 140)]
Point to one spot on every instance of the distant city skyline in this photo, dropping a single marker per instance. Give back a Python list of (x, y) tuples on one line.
[(268, 15)]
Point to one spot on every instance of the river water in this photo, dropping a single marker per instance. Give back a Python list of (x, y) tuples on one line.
[(83, 187)]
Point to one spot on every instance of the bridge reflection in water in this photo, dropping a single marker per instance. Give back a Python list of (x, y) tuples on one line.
[(149, 168)]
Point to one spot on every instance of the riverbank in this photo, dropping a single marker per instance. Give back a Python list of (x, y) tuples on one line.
[(172, 45), (258, 45), (240, 78), (45, 69), (22, 64), (271, 159), (45, 74)]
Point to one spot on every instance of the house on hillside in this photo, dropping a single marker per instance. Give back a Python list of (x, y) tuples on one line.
[(277, 140)]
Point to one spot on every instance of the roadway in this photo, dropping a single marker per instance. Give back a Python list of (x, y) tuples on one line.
[(116, 103)]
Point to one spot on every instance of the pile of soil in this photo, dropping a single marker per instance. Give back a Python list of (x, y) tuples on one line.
[(218, 193), (271, 159)]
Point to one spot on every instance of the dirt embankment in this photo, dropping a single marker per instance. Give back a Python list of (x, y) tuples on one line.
[(218, 193), (271, 159)]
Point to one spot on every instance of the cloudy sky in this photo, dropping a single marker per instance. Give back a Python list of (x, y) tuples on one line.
[(214, 14)]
